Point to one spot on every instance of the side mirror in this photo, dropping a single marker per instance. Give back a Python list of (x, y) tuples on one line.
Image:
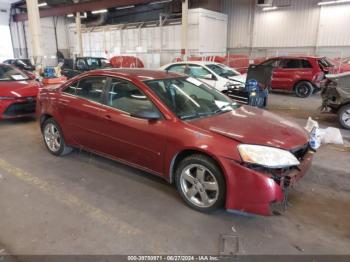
[(146, 114)]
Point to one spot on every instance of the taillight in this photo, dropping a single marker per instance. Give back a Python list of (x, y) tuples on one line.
[(319, 76)]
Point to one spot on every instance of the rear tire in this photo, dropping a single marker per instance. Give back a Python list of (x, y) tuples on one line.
[(53, 138), (201, 183), (344, 116), (304, 89)]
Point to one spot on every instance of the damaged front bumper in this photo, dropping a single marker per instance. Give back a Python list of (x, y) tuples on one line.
[(262, 191)]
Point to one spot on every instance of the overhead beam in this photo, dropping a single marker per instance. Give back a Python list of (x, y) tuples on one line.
[(80, 7)]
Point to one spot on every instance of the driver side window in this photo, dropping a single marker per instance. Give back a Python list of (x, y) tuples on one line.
[(272, 62), (198, 71), (126, 97)]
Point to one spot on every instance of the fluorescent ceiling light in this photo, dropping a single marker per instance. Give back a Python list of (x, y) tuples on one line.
[(125, 7), (99, 11), (81, 16), (270, 8), (334, 2), (42, 4), (160, 2)]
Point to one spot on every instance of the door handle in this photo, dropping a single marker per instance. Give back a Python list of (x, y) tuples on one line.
[(108, 117)]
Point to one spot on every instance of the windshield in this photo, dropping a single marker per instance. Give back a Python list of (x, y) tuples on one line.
[(8, 73), (223, 70), (190, 98)]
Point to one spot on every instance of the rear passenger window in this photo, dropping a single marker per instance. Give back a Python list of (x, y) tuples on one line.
[(291, 63), (91, 88), (126, 97), (306, 64), (177, 69)]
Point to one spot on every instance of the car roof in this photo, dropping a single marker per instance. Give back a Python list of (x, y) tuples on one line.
[(296, 57), (139, 74), (203, 63)]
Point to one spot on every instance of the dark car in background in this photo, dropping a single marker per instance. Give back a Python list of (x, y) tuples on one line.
[(71, 68), (23, 64), (302, 75)]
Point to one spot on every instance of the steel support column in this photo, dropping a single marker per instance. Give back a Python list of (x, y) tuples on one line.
[(184, 30), (79, 35), (35, 30)]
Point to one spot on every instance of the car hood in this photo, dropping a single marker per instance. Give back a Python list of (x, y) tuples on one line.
[(240, 78), (255, 126), (19, 88)]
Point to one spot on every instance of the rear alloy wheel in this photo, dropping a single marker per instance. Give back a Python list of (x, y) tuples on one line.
[(53, 138), (304, 89), (201, 183), (344, 116)]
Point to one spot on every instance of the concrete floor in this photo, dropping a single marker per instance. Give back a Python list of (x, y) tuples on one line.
[(83, 204)]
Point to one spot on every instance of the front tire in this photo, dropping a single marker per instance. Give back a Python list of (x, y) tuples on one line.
[(344, 116), (201, 183), (304, 89), (53, 138)]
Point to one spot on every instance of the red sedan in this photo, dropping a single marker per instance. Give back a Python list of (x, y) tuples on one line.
[(18, 93), (299, 74), (216, 152)]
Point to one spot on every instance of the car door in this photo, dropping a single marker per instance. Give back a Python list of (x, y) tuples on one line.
[(137, 141), (276, 81), (293, 70), (81, 106)]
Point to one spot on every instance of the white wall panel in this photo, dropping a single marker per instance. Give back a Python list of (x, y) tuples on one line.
[(239, 13), (4, 13), (291, 26), (296, 25), (334, 25)]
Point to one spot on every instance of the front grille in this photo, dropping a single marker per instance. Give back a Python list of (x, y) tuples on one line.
[(300, 152), (21, 108)]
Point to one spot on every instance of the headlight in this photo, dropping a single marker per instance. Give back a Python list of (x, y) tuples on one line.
[(267, 156)]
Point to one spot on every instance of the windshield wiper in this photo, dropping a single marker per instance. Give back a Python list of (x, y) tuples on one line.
[(221, 109), (196, 115)]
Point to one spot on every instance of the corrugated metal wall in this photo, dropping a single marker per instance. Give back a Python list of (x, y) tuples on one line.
[(334, 26), (239, 13), (296, 24), (22, 43), (292, 26)]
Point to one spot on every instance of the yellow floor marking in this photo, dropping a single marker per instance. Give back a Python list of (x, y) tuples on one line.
[(70, 200)]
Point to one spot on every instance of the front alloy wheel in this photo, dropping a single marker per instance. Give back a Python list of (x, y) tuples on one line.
[(53, 138), (200, 183), (344, 116)]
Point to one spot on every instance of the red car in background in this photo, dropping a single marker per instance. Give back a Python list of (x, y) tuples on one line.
[(299, 74), (18, 92), (218, 153)]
